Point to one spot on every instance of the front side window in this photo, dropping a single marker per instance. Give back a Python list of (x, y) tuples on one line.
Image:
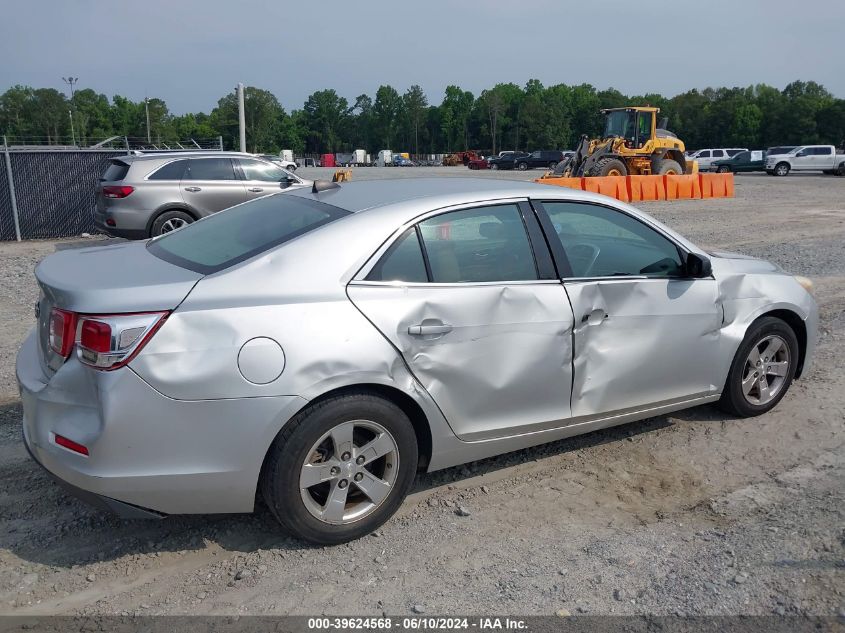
[(259, 170), (602, 242), (224, 239), (742, 156), (705, 153), (210, 169)]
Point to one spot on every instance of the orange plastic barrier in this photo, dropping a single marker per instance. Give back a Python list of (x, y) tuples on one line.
[(572, 183), (641, 188), (717, 185), (613, 186), (682, 187)]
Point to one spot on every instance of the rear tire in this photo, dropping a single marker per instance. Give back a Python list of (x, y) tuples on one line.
[(170, 221), (748, 382), (724, 169), (667, 166), (552, 164), (306, 512), (522, 166), (781, 169), (609, 167)]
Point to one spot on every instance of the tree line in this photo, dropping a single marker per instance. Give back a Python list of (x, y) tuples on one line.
[(506, 116)]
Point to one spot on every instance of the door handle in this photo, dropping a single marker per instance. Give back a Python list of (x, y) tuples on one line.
[(193, 189), (255, 189), (595, 317), (423, 330)]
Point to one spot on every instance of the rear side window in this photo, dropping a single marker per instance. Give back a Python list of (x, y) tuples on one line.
[(171, 171), (210, 169), (234, 235), (116, 170), (402, 262), (478, 245)]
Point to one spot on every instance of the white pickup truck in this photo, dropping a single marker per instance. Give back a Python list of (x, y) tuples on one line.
[(824, 158)]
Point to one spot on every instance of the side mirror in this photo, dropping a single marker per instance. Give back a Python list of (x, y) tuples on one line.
[(698, 266), (286, 182), (802, 153)]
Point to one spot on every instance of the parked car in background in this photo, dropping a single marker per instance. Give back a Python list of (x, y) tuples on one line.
[(544, 159), (742, 162), (480, 163), (780, 149), (705, 157), (147, 195), (401, 161), (824, 158), (506, 160), (278, 160), (456, 319)]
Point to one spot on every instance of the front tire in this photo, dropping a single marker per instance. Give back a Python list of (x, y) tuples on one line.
[(522, 166), (724, 169), (762, 369), (781, 169), (340, 468), (609, 167)]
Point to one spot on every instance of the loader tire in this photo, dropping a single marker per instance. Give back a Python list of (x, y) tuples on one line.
[(667, 166), (609, 167)]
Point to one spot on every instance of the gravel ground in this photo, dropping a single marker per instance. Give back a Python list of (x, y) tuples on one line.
[(691, 513)]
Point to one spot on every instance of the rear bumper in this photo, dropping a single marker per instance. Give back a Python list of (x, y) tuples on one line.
[(129, 223), (149, 454)]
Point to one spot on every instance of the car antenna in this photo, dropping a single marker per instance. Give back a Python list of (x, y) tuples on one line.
[(323, 185)]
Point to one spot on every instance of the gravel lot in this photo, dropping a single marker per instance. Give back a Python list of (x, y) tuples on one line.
[(692, 513)]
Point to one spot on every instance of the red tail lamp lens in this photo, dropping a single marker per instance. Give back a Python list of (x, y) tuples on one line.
[(62, 331), (96, 336), (115, 191), (61, 440)]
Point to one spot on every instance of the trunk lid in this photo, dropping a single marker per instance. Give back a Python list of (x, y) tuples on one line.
[(118, 278)]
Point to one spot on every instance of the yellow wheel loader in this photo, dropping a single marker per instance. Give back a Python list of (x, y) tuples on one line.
[(632, 144)]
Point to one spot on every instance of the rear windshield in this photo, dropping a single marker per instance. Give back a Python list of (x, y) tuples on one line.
[(116, 170), (234, 235)]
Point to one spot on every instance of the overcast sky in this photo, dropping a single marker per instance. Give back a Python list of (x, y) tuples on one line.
[(191, 52)]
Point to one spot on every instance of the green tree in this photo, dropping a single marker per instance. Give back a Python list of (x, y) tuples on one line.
[(415, 105), (386, 111), (325, 117)]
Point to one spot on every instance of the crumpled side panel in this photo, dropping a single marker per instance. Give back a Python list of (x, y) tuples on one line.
[(641, 342), (505, 365)]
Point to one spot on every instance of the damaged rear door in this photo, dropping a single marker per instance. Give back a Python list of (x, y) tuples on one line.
[(475, 307), (645, 334)]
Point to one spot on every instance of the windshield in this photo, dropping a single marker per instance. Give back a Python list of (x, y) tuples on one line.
[(234, 235), (619, 123)]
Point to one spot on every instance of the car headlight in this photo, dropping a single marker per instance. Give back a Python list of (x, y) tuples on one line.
[(806, 283)]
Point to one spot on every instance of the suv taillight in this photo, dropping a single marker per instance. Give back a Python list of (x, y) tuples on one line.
[(117, 191), (62, 331), (109, 342)]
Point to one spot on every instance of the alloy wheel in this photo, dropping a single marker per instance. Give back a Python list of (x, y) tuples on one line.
[(766, 370), (172, 224), (349, 472)]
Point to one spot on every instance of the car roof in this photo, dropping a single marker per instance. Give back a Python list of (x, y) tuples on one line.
[(438, 192)]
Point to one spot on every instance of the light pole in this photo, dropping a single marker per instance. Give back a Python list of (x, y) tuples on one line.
[(71, 81), (241, 117), (147, 110)]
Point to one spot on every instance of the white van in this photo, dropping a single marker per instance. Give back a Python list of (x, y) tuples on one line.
[(705, 157)]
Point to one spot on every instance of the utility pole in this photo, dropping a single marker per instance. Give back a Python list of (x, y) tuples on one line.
[(72, 133), (241, 117), (71, 81), (147, 110)]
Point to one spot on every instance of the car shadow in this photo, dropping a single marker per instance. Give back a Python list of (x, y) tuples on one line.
[(40, 523)]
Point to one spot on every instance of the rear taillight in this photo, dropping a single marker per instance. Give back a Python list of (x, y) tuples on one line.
[(62, 331), (117, 191), (109, 342)]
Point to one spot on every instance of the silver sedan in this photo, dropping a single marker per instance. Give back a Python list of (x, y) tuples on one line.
[(324, 345)]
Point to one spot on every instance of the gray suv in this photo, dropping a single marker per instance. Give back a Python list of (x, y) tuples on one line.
[(146, 195)]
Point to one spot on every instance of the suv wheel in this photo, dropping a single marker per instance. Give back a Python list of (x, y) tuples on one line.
[(781, 169), (340, 468), (170, 221)]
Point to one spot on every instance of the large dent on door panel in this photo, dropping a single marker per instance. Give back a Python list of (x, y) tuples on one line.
[(635, 333)]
